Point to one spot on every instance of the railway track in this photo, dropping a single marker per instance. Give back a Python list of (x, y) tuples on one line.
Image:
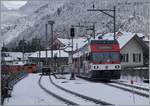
[(136, 87), (129, 89), (55, 95), (96, 101), (114, 84)]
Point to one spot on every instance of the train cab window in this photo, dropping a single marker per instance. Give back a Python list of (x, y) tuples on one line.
[(105, 57)]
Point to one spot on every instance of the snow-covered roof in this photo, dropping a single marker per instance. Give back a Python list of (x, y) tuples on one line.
[(63, 41), (123, 37), (60, 53)]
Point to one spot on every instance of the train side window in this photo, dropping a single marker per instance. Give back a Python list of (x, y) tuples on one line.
[(121, 57)]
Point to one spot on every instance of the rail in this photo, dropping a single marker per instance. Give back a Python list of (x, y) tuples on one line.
[(56, 96), (137, 87), (129, 90)]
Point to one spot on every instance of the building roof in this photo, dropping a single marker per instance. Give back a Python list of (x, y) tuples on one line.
[(60, 53), (63, 41), (123, 37)]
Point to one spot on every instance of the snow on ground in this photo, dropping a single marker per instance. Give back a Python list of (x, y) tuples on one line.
[(102, 92), (137, 81), (28, 92)]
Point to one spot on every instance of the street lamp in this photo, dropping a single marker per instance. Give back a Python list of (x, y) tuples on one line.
[(51, 23)]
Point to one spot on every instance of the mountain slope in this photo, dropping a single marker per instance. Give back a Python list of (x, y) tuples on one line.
[(130, 16)]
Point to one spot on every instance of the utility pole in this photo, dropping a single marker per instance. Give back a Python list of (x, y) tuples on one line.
[(23, 48), (46, 44), (39, 51), (51, 23), (105, 11)]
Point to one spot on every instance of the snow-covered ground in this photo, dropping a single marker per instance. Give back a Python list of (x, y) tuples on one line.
[(130, 88), (101, 91), (28, 92), (137, 81)]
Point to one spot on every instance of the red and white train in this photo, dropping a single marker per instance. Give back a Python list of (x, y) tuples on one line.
[(98, 59)]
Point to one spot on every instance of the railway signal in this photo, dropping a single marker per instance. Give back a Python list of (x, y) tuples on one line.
[(72, 32)]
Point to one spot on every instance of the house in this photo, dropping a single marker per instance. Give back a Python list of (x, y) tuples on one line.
[(135, 52)]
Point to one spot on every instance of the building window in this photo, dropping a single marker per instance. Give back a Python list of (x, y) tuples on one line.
[(124, 57), (136, 57)]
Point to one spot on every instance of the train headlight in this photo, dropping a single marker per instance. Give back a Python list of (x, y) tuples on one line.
[(96, 67), (117, 66)]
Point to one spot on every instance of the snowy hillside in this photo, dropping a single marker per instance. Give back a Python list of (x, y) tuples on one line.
[(3, 7), (10, 16), (131, 16)]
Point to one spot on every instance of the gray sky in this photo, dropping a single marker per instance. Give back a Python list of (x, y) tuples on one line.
[(13, 4)]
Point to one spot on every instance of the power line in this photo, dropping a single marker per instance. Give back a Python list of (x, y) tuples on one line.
[(105, 11)]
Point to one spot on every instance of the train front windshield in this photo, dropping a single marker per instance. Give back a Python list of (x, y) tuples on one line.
[(105, 57)]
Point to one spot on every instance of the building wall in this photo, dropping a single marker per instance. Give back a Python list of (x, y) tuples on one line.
[(132, 47)]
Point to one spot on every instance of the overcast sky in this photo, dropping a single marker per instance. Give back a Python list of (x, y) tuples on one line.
[(13, 4)]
